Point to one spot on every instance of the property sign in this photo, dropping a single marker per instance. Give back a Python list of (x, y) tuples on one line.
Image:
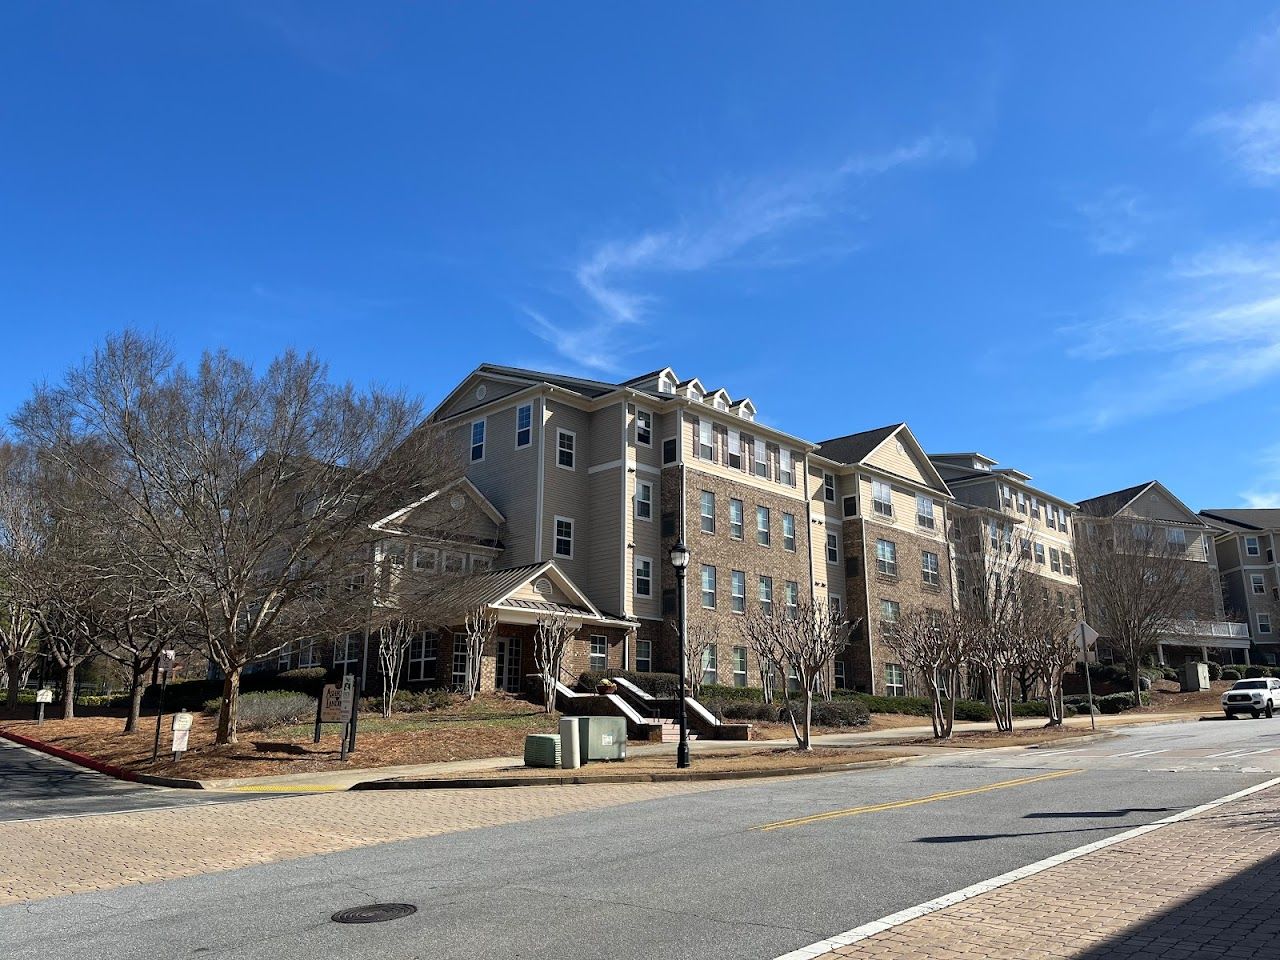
[(180, 740), (348, 698), (181, 721), (44, 696), (331, 705)]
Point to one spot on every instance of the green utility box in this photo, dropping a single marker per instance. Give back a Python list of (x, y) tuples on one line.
[(602, 738), (542, 750)]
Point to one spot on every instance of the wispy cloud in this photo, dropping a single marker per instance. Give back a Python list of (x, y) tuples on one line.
[(1206, 327), (1265, 489), (1115, 220), (747, 223), (1251, 137)]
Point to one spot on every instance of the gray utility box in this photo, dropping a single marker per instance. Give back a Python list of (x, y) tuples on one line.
[(542, 750), (602, 738), (1195, 677)]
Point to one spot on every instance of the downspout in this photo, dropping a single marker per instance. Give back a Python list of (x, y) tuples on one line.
[(542, 466)]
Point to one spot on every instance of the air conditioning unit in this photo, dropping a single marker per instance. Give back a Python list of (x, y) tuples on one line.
[(542, 750), (602, 738)]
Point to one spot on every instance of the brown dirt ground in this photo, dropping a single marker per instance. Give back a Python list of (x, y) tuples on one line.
[(879, 721), (985, 739), (1166, 698), (779, 759), (492, 726)]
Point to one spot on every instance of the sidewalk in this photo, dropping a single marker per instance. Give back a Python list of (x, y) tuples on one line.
[(1205, 886), (344, 779)]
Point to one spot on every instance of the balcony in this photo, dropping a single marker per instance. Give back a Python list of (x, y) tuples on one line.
[(1209, 633)]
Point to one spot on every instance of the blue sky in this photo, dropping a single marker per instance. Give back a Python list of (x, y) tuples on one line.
[(1049, 233)]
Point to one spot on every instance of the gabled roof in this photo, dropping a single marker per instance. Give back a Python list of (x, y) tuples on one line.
[(856, 448), (582, 385), (1263, 518), (495, 590), (1113, 504), (462, 484)]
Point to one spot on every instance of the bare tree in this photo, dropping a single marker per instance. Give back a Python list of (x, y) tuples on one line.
[(253, 492), (935, 645), (1047, 637), (550, 641), (20, 539), (700, 636), (1138, 587), (799, 645), (394, 640), (480, 626)]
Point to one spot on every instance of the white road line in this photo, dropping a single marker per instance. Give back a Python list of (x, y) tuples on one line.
[(1148, 753), (1227, 753), (814, 950), (1250, 753)]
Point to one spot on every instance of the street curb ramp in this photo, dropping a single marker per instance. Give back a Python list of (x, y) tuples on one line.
[(100, 766)]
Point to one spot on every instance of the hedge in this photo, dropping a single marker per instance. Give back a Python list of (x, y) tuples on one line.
[(1230, 675), (1255, 671), (1215, 671), (664, 686), (412, 701), (261, 710)]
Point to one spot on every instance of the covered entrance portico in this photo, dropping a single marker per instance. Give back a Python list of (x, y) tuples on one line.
[(1204, 640)]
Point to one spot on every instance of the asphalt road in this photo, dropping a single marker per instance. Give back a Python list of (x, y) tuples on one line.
[(35, 786), (682, 877)]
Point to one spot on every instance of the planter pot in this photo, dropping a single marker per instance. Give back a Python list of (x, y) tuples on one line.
[(603, 688)]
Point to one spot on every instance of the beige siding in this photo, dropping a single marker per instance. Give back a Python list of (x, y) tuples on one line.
[(604, 532), (566, 493), (467, 399), (508, 478), (719, 466), (902, 463)]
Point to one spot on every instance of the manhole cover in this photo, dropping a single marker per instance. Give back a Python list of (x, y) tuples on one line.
[(375, 913)]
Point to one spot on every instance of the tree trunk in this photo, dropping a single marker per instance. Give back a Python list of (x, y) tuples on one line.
[(136, 686), (807, 743), (1135, 676), (13, 673), (229, 712), (69, 692)]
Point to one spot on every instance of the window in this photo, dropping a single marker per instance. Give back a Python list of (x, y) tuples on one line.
[(762, 526), (837, 606), (760, 453), (1264, 623), (1055, 560), (644, 656), (423, 651), (708, 586), (1258, 585), (738, 591), (739, 666), (599, 659), (1075, 610), (786, 468), (459, 675), (346, 652), (1024, 548), (425, 560), (1062, 605), (644, 577), (792, 596), (1066, 563), (1006, 495), (709, 671), (307, 653), (480, 564), (881, 498), (735, 449), (644, 428), (669, 450), (735, 519), (286, 653), (564, 537), (924, 512), (644, 501), (1251, 546), (840, 681), (454, 562), (887, 558), (829, 487), (889, 611), (566, 454), (1039, 553), (765, 595), (1177, 537), (833, 548), (524, 425), (706, 440), (789, 532), (1035, 508), (1022, 502), (477, 441), (895, 681), (851, 506), (708, 501), (929, 568)]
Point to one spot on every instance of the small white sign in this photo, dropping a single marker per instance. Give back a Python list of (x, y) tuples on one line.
[(606, 739), (180, 739), (181, 722), (348, 694), (44, 696)]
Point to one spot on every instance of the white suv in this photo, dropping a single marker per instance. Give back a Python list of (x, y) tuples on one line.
[(1254, 697)]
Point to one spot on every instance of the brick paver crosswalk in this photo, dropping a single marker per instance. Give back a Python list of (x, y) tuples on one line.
[(1208, 886)]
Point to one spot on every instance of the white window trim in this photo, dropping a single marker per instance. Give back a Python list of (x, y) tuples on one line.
[(734, 596), (484, 444), (649, 414), (573, 535), (832, 546), (519, 445), (828, 487), (674, 459), (561, 432), (638, 501), (635, 576)]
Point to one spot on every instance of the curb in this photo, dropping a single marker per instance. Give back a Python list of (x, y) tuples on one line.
[(100, 766), (552, 780)]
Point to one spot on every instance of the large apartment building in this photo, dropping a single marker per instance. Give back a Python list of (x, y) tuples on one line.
[(1246, 543), (1204, 626), (997, 507)]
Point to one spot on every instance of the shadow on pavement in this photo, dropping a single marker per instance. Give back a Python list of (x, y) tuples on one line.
[(1092, 814), (1239, 917)]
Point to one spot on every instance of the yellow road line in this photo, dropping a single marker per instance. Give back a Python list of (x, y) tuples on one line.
[(283, 788), (898, 804)]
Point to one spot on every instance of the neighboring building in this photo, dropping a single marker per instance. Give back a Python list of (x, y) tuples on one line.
[(999, 505), (880, 544), (1207, 631), (1245, 545)]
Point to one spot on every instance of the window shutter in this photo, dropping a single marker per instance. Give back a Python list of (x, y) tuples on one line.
[(851, 566), (669, 603), (668, 524)]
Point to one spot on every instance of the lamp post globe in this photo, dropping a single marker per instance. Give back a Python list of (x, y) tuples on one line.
[(680, 563)]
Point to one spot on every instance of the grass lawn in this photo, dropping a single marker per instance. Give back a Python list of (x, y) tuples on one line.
[(986, 739)]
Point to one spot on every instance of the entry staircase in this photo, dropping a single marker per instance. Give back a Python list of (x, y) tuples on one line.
[(648, 717)]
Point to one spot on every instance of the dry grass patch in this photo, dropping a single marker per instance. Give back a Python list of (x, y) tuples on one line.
[(987, 739)]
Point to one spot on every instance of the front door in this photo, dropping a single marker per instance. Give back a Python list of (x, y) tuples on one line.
[(507, 672)]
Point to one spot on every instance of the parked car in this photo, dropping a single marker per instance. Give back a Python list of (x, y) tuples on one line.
[(1254, 697)]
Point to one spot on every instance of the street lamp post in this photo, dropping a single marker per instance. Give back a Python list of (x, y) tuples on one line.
[(680, 562)]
